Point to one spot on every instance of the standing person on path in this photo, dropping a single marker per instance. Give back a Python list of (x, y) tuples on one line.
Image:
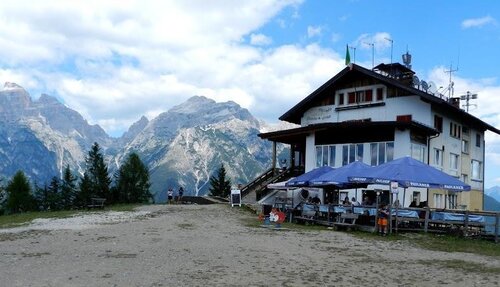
[(383, 214), (170, 195), (181, 193)]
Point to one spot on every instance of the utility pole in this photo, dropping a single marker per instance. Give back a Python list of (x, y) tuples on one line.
[(468, 97), (373, 53), (450, 83), (392, 44)]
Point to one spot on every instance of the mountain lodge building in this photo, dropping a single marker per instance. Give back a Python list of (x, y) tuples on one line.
[(378, 115)]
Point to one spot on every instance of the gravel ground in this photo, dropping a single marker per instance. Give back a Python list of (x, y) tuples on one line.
[(209, 245)]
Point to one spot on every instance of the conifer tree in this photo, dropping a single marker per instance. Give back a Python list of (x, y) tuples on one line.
[(219, 185), (68, 189), (133, 181), (97, 173), (84, 192), (20, 197)]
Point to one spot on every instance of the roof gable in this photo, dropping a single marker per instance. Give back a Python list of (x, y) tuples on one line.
[(352, 72)]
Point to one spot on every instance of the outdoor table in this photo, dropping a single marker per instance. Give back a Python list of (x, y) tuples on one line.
[(448, 216), (405, 213)]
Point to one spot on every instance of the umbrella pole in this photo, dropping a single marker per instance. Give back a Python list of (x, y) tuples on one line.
[(390, 212), (404, 195)]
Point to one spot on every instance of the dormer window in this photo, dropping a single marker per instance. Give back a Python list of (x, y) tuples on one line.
[(356, 96)]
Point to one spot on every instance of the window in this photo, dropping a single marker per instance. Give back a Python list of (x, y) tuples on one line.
[(359, 96), (465, 146), (454, 130), (465, 178), (478, 140), (452, 201), (438, 201), (381, 153), (438, 123), (476, 170), (345, 155), (332, 155), (418, 151), (465, 130), (380, 94), (325, 155), (438, 157), (351, 153), (341, 99), (453, 161), (319, 156), (351, 98)]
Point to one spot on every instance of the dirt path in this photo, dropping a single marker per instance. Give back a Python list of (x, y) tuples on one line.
[(194, 245)]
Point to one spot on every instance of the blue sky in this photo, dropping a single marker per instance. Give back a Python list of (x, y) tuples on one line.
[(116, 61)]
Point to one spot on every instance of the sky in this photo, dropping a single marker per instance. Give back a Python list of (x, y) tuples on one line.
[(114, 61)]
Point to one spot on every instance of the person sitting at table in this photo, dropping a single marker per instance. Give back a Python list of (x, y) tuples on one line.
[(355, 202), (366, 201), (413, 203), (346, 201), (315, 200)]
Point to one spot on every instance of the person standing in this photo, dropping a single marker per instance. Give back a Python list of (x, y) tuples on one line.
[(383, 214), (170, 195), (181, 193)]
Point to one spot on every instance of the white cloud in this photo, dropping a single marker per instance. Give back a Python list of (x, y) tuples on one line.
[(313, 31), (115, 62), (260, 40), (380, 41), (478, 22)]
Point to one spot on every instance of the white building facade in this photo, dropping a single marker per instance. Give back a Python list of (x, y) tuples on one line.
[(377, 116)]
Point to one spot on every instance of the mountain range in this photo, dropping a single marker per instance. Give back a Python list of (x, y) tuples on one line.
[(183, 146), (492, 198)]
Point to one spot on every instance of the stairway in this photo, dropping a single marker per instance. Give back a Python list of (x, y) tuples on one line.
[(259, 184)]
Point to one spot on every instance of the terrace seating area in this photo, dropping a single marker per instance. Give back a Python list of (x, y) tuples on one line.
[(459, 222)]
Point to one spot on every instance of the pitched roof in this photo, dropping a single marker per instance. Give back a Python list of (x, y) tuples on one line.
[(295, 113)]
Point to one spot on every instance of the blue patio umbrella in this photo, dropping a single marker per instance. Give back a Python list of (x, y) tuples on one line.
[(409, 172), (339, 177), (304, 179)]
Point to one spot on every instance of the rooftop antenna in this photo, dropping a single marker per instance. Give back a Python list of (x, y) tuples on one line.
[(373, 53), (392, 44), (450, 83), (407, 59), (354, 53), (468, 97)]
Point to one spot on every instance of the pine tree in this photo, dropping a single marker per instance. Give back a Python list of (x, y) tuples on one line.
[(97, 173), (20, 197), (54, 199), (84, 192), (219, 185), (133, 181), (68, 189)]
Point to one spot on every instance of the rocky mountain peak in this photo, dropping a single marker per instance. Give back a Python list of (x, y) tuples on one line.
[(47, 99), (11, 86)]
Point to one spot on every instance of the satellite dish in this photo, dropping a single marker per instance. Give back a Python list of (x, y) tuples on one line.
[(432, 88), (416, 82), (424, 85)]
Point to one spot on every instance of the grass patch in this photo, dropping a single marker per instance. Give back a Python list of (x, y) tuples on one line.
[(465, 266), (21, 219), (448, 243)]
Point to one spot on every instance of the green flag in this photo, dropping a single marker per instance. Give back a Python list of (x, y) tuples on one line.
[(347, 56)]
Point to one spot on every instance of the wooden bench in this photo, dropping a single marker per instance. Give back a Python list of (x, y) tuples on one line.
[(96, 202), (347, 221)]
